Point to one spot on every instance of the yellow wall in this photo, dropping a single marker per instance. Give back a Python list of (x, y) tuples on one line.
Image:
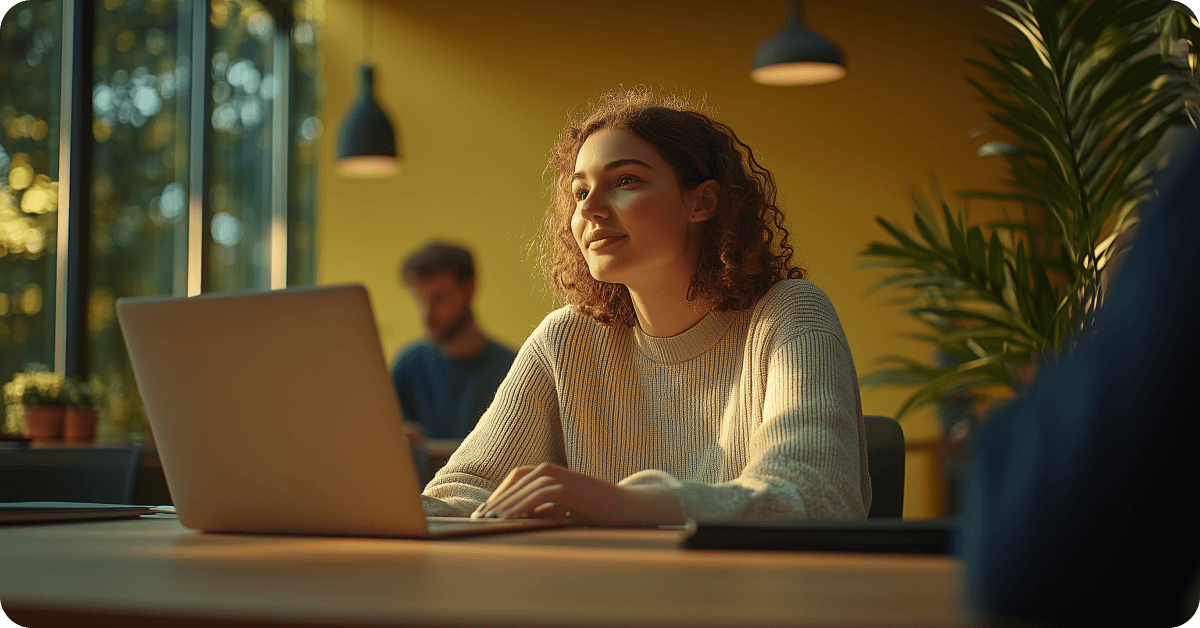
[(479, 91)]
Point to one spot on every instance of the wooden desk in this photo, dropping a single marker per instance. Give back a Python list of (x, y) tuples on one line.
[(153, 572)]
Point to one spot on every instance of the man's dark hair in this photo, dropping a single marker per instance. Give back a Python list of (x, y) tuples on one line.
[(435, 258)]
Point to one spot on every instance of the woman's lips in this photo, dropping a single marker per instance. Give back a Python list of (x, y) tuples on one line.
[(605, 242)]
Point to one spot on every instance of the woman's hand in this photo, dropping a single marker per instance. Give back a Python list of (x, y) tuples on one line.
[(550, 491)]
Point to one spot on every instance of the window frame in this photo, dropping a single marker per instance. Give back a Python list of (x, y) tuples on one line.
[(73, 261)]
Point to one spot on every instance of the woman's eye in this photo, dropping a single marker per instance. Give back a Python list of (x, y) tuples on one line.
[(581, 194), (626, 180)]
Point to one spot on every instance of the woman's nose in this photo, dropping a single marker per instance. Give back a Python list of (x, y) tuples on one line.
[(594, 207)]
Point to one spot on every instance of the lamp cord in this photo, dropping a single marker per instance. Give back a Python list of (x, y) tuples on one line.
[(366, 32), (794, 11)]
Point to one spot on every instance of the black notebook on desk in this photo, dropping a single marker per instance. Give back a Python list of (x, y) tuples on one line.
[(887, 536), (44, 512)]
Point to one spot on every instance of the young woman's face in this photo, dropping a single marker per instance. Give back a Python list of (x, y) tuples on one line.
[(631, 218)]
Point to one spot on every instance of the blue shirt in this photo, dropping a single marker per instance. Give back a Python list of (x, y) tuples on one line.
[(444, 394)]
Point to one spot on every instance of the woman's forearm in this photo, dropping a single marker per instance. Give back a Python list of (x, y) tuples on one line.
[(650, 506)]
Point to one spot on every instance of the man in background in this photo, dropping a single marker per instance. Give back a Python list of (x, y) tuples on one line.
[(447, 379)]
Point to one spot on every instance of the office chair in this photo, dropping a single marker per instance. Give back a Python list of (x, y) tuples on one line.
[(103, 475), (885, 462)]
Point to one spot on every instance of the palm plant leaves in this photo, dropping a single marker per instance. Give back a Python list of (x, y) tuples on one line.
[(1086, 91)]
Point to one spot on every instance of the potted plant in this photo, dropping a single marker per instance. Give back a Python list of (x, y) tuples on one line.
[(39, 398), (81, 416), (1083, 94)]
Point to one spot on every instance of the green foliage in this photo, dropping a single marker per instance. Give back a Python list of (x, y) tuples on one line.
[(1086, 91), (83, 393), (36, 388)]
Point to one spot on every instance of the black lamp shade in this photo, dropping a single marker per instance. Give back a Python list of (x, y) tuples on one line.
[(366, 142), (795, 55)]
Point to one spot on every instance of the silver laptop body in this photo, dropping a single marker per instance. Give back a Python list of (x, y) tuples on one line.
[(273, 412)]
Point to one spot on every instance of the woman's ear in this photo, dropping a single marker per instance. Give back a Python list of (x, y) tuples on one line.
[(703, 200)]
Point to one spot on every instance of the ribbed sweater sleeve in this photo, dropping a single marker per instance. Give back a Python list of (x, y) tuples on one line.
[(520, 428), (803, 457), (752, 414)]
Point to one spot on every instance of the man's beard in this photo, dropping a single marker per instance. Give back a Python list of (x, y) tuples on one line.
[(455, 328)]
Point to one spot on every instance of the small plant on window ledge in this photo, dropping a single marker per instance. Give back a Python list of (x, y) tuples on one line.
[(33, 390)]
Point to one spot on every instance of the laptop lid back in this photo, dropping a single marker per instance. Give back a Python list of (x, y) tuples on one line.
[(273, 412)]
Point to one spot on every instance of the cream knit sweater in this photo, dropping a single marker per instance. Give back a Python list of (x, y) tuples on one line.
[(751, 414)]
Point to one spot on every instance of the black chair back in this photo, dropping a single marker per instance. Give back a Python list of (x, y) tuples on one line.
[(885, 462), (102, 475)]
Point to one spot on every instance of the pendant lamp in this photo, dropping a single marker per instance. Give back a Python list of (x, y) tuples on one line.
[(795, 55), (366, 141)]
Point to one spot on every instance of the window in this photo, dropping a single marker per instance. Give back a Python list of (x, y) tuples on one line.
[(30, 61), (196, 144)]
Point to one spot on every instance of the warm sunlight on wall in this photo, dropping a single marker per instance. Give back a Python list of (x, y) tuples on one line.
[(479, 91)]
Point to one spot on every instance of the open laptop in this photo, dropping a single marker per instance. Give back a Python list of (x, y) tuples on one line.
[(273, 412)]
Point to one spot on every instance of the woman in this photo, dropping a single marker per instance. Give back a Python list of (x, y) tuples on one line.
[(693, 373)]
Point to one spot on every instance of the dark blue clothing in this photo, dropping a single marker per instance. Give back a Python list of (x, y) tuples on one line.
[(1082, 508), (445, 395)]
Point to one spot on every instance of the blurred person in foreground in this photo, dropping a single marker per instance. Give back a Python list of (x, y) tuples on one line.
[(1081, 507), (446, 379)]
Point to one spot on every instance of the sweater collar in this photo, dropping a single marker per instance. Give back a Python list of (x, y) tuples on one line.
[(686, 345)]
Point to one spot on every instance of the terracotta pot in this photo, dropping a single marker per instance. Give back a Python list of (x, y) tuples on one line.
[(79, 425), (44, 423)]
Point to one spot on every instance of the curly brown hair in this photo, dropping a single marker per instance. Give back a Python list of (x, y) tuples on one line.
[(744, 248)]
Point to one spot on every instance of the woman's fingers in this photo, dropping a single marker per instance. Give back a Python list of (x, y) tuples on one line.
[(537, 494), (541, 491), (550, 511), (512, 478), (516, 494), (550, 491)]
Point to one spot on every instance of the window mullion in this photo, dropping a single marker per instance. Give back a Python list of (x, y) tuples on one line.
[(75, 183), (280, 158), (199, 141)]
